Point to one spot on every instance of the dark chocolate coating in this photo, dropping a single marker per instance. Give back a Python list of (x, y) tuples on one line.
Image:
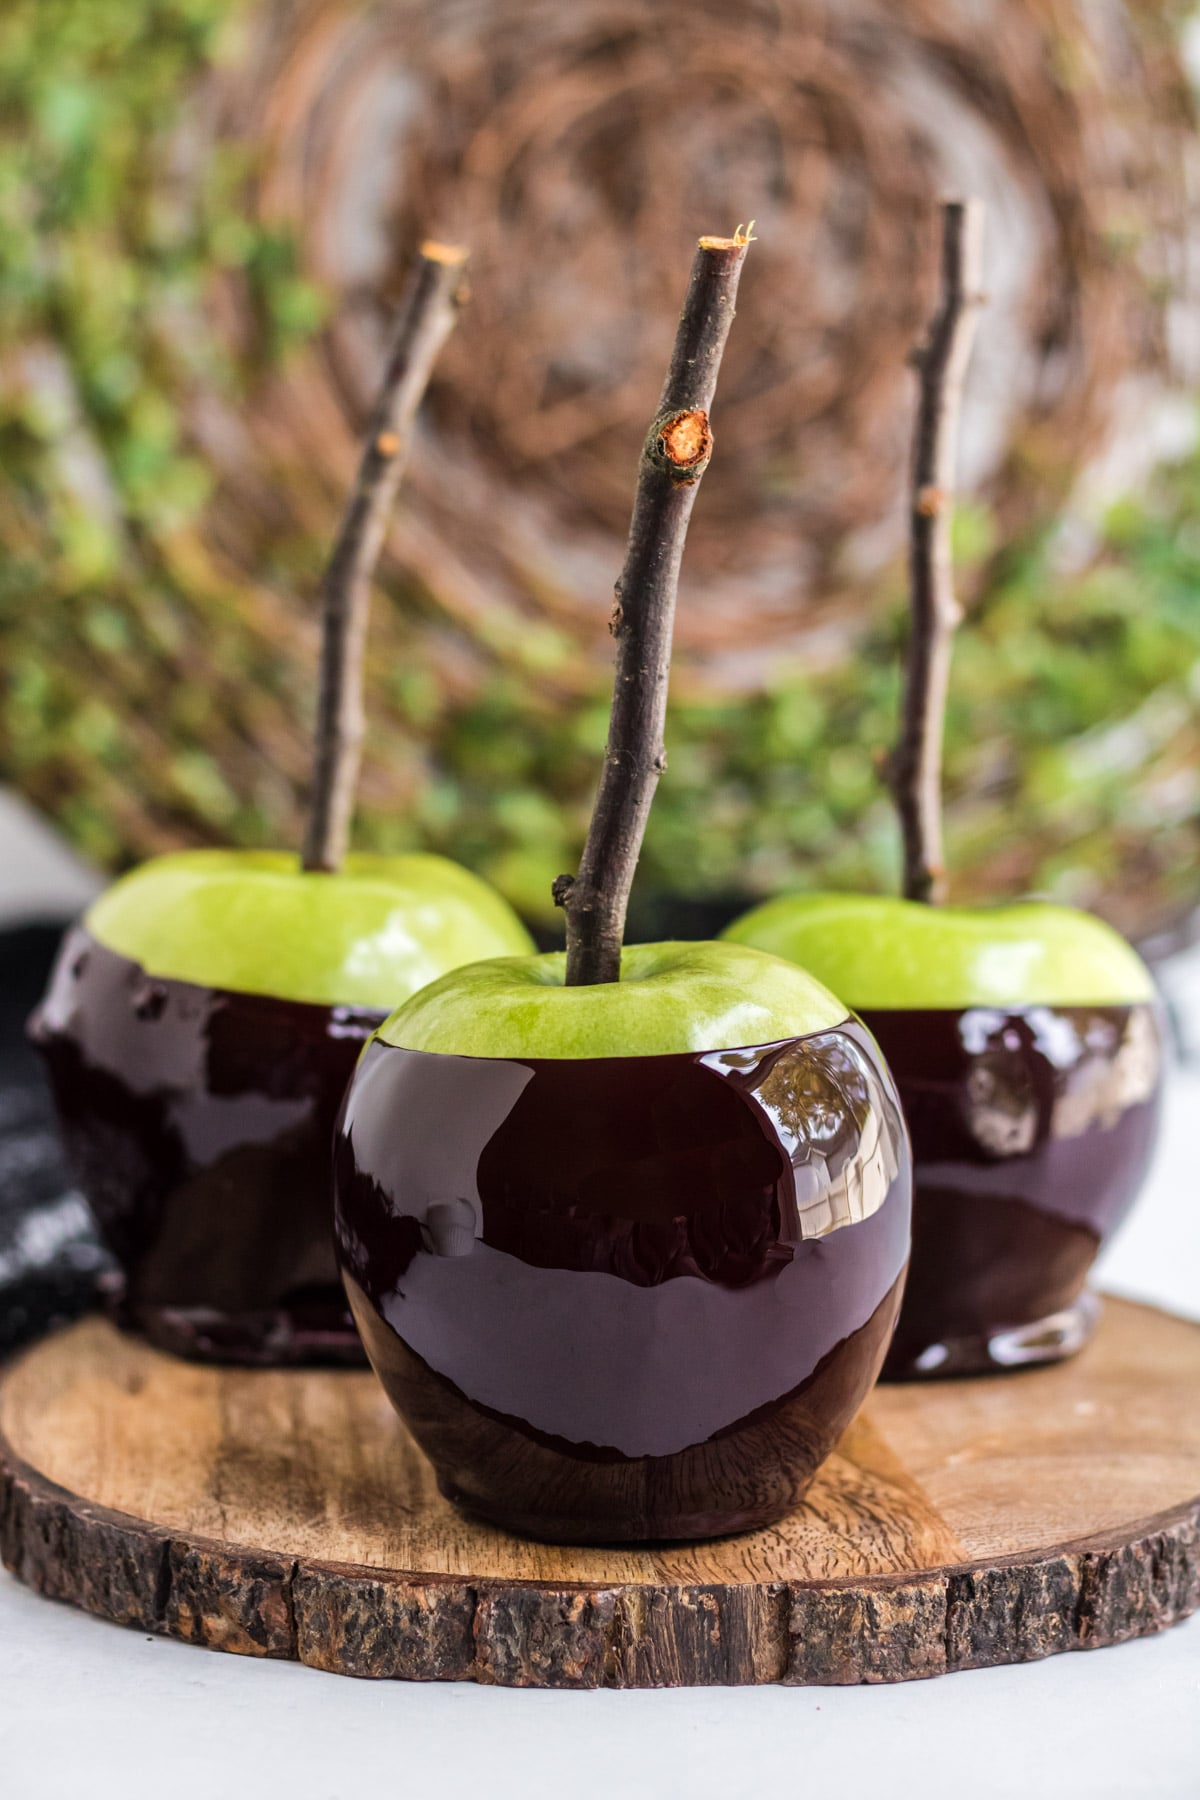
[(625, 1298), (199, 1124), (1032, 1130)]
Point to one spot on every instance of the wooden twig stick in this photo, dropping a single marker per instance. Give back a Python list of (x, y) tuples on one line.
[(427, 312), (674, 457), (915, 767)]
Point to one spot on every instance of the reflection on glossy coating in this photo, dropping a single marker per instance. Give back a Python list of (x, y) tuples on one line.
[(1032, 1130), (626, 1297), (199, 1126)]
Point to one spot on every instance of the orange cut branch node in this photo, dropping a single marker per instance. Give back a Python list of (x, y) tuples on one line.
[(681, 443), (687, 438)]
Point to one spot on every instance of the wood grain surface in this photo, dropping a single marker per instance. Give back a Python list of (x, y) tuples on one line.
[(289, 1514)]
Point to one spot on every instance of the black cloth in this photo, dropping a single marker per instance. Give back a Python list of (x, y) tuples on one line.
[(51, 1259)]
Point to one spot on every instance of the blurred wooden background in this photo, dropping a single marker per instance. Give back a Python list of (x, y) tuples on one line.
[(207, 207)]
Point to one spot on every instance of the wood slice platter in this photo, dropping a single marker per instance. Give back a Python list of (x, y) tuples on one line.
[(289, 1514)]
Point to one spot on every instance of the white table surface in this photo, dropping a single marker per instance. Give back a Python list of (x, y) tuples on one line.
[(92, 1712)]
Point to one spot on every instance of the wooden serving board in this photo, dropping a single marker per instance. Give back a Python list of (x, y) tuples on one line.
[(289, 1514)]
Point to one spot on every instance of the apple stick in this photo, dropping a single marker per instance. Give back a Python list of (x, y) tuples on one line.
[(915, 769), (428, 310), (674, 457)]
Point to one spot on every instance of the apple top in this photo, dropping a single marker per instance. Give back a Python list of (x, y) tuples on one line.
[(884, 953), (254, 922), (671, 998)]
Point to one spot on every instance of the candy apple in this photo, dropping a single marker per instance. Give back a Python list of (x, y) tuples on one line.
[(202, 1022), (1024, 1039), (626, 1256), (199, 1029), (625, 1231)]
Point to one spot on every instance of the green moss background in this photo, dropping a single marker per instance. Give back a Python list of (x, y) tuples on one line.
[(145, 703)]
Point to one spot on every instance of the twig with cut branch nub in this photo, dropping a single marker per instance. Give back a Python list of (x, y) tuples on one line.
[(428, 309), (915, 767), (674, 457)]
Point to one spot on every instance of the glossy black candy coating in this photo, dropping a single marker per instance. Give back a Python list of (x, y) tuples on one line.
[(626, 1298), (199, 1124), (1031, 1131)]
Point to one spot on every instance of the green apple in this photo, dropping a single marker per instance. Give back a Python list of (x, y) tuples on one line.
[(884, 953), (671, 998), (254, 922)]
